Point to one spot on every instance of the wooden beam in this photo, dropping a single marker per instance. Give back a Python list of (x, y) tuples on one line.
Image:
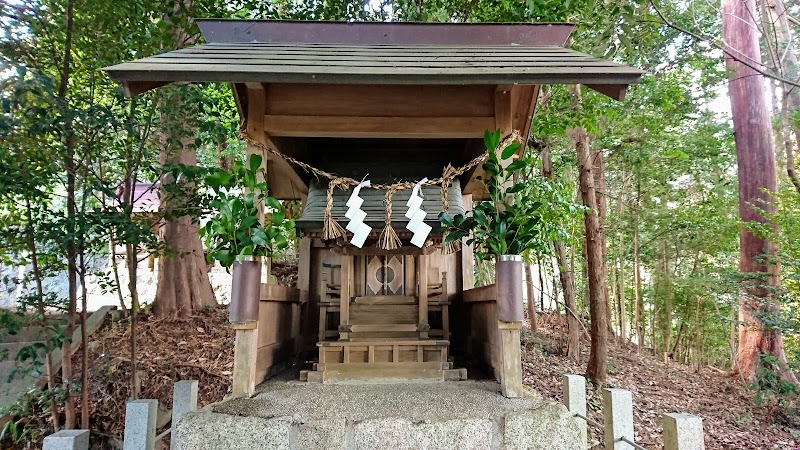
[(422, 291), (244, 362), (344, 300), (467, 255), (378, 127), (511, 357), (514, 112), (284, 182), (133, 88), (380, 100), (503, 110), (615, 91)]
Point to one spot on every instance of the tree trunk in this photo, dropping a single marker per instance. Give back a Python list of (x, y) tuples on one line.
[(756, 169), (567, 277), (533, 321), (183, 285), (600, 186), (621, 307), (785, 57), (71, 247), (598, 295), (666, 282), (637, 273)]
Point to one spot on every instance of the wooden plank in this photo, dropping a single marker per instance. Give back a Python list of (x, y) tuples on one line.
[(270, 56), (284, 182), (503, 110), (389, 343), (310, 67), (615, 91), (404, 371), (344, 301), (378, 63), (383, 327), (511, 377), (525, 98), (304, 268), (382, 127), (422, 292), (480, 294), (244, 363), (407, 250), (380, 101), (401, 48), (386, 300)]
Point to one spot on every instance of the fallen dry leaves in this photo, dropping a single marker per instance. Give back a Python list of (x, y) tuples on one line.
[(730, 418)]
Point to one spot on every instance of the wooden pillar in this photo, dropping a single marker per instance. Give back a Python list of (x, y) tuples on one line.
[(511, 359), (467, 254), (244, 359), (304, 286), (245, 349), (344, 300), (422, 294)]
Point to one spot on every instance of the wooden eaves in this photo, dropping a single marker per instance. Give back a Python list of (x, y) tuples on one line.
[(297, 80)]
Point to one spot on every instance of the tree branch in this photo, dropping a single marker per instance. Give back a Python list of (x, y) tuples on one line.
[(724, 50)]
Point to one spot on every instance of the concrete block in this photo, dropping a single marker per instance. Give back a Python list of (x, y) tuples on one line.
[(314, 377), (574, 391), (462, 434), (327, 434), (551, 427), (683, 432), (452, 375), (205, 430), (184, 400), (67, 440), (617, 418), (140, 425)]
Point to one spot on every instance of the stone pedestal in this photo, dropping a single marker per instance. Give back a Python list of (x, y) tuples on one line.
[(683, 432), (67, 440)]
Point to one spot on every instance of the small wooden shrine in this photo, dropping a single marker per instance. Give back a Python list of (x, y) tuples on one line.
[(331, 104)]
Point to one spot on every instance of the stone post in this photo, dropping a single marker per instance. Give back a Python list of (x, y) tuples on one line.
[(683, 432), (617, 419), (184, 400), (67, 440), (140, 425), (574, 390)]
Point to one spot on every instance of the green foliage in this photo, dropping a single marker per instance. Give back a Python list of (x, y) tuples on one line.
[(228, 201), (519, 216), (772, 390)]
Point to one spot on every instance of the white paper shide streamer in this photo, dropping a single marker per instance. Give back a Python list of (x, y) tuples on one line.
[(356, 215), (416, 215)]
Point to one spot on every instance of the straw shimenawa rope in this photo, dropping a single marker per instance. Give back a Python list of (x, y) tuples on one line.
[(388, 239)]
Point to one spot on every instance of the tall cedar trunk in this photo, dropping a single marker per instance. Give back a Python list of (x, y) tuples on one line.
[(785, 50), (756, 169), (533, 320), (598, 295), (566, 276), (666, 289), (599, 174), (183, 285), (71, 252), (637, 272), (621, 309)]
